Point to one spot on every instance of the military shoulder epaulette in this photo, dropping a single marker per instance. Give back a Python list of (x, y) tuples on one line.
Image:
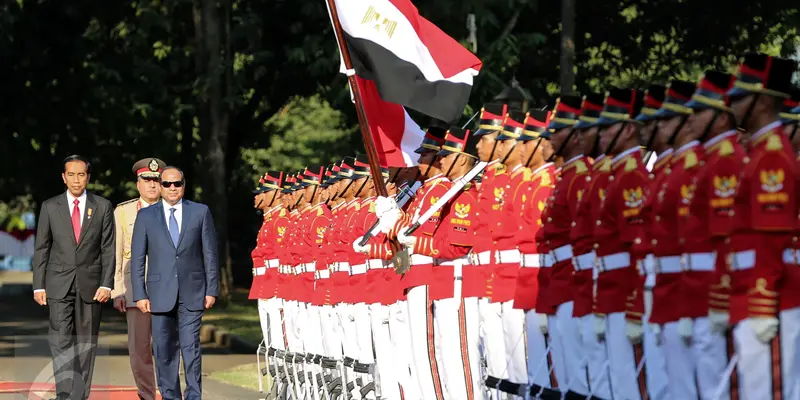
[(773, 142), (690, 160), (127, 202), (630, 164)]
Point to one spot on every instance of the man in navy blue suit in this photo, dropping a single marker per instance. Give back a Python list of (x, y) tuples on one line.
[(177, 238)]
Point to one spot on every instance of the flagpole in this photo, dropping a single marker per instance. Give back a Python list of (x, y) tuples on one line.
[(372, 154)]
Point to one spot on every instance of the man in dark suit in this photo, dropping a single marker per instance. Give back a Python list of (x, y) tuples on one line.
[(73, 272), (178, 240)]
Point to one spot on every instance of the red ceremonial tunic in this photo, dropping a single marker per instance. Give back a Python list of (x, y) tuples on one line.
[(483, 245), (588, 212), (264, 284), (557, 228), (509, 188), (618, 228), (765, 215), (533, 197)]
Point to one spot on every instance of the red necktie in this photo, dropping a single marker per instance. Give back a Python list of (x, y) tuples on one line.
[(76, 220)]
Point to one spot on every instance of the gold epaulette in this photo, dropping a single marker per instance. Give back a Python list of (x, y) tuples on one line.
[(127, 202)]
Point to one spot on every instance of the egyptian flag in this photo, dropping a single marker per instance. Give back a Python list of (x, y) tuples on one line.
[(410, 60)]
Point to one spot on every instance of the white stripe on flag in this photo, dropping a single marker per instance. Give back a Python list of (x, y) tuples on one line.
[(358, 19)]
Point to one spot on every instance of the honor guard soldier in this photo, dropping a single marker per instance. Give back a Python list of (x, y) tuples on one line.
[(618, 228), (503, 226), (535, 149), (790, 117), (585, 216), (265, 261), (419, 294), (563, 330), (147, 172), (483, 250), (456, 322), (764, 223), (671, 190)]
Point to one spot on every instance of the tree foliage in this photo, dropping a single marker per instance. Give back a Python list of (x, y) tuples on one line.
[(228, 88)]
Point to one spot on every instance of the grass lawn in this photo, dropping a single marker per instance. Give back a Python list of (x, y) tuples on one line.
[(239, 317), (243, 375)]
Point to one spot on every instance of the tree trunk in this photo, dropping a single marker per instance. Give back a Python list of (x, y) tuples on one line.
[(213, 117), (567, 46)]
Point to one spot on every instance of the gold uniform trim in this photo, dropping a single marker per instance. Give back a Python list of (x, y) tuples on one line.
[(718, 104), (759, 87)]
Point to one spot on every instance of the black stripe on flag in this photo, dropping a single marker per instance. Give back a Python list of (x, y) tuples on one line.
[(401, 82)]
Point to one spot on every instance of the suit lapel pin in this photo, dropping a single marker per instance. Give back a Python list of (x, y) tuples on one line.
[(89, 213)]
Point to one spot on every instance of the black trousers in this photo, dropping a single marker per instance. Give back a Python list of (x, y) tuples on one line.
[(74, 326)]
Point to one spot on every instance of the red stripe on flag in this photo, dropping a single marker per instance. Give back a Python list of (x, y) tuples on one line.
[(450, 56), (387, 123)]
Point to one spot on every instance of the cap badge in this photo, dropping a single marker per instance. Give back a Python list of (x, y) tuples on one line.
[(153, 165)]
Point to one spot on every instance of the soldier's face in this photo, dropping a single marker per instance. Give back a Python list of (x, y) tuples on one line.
[(447, 161), (76, 177), (486, 147), (607, 135), (647, 132), (740, 105), (148, 189), (427, 162), (258, 200), (588, 139), (560, 137)]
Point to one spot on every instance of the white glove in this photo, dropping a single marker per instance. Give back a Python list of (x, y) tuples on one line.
[(655, 329), (361, 249), (388, 220), (685, 327), (408, 241), (384, 204), (634, 331), (649, 265), (600, 327), (543, 323), (765, 327), (719, 321)]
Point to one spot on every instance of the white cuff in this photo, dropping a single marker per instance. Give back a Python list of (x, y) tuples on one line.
[(38, 290)]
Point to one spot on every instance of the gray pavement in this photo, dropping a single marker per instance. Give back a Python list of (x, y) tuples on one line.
[(25, 354)]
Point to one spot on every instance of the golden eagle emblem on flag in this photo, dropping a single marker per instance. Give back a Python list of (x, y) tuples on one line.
[(633, 197), (725, 186), (462, 210), (772, 180)]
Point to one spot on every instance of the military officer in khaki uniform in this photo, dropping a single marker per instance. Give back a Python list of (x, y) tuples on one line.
[(139, 342)]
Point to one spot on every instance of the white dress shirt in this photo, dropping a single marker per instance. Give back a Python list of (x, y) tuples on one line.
[(82, 209), (178, 212), (81, 204)]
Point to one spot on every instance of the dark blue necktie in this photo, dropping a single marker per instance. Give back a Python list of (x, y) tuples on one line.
[(173, 227)]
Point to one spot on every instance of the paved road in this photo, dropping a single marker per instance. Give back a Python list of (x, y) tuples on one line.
[(25, 355)]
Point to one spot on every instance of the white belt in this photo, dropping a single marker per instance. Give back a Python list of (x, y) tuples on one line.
[(376, 264), (273, 263), (702, 262), (340, 267), (532, 260), (743, 260), (358, 269), (322, 274), (285, 269), (669, 265), (615, 261), (307, 267), (452, 262), (419, 259), (481, 258), (791, 257), (507, 257), (563, 253), (585, 262), (259, 271)]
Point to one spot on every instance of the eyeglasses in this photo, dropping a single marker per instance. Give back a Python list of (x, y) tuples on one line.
[(167, 184)]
